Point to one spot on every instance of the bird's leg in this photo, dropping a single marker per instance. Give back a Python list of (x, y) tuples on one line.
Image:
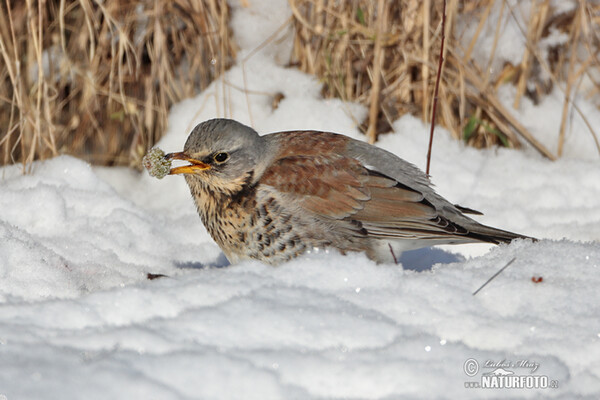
[(393, 255)]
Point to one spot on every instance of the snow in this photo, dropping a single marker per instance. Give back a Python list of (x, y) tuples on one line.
[(79, 317)]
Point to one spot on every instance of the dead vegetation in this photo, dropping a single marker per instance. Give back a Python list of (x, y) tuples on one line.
[(96, 78), (384, 54)]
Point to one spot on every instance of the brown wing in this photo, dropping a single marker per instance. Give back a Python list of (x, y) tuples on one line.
[(341, 188), (328, 186), (398, 211), (322, 170)]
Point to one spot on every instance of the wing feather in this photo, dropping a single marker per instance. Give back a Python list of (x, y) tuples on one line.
[(348, 184), (342, 189)]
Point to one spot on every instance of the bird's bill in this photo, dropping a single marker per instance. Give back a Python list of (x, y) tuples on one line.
[(196, 165)]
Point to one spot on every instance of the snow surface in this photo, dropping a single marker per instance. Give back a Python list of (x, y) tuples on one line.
[(79, 319)]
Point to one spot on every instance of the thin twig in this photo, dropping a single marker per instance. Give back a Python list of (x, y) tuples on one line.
[(377, 53), (495, 275), (424, 66), (570, 82), (393, 254), (525, 64), (437, 86)]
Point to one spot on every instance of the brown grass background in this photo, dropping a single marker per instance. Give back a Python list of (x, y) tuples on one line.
[(96, 79), (390, 58)]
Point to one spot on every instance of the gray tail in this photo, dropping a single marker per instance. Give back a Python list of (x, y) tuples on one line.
[(488, 234)]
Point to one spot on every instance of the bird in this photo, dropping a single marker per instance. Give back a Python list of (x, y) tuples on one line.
[(277, 196)]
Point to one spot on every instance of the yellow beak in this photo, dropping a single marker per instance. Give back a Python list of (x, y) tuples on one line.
[(196, 165)]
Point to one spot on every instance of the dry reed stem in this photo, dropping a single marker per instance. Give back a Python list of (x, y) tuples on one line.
[(484, 91), (483, 19), (426, 45), (377, 60), (96, 78), (570, 80), (488, 68), (437, 86), (337, 41), (554, 75), (533, 30)]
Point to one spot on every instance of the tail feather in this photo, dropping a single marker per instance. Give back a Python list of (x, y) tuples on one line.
[(467, 210), (488, 234)]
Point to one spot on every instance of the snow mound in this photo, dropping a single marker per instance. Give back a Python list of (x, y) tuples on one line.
[(80, 318)]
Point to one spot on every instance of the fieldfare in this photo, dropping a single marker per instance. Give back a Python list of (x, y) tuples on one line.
[(274, 197)]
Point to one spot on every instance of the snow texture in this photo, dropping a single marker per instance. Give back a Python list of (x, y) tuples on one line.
[(79, 318)]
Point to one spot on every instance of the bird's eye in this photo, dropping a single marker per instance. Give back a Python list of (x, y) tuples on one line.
[(221, 157)]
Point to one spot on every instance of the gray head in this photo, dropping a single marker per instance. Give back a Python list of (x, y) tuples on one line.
[(224, 155)]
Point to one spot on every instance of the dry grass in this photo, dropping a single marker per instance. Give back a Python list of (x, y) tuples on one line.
[(384, 54), (96, 78)]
